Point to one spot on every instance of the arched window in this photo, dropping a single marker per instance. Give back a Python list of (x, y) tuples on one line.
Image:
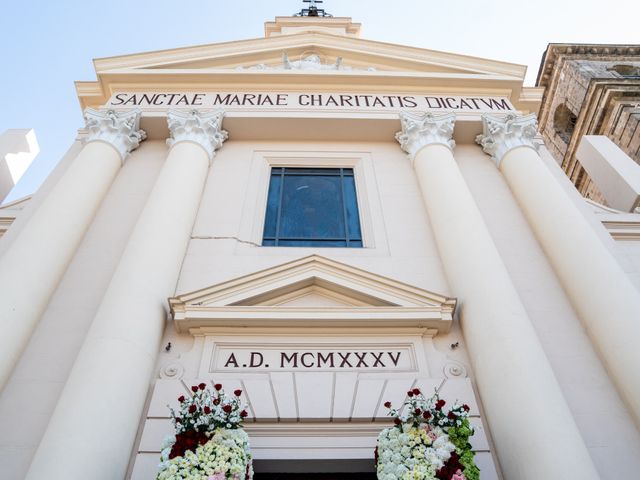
[(564, 122)]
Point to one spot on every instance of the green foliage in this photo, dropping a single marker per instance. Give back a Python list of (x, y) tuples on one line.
[(459, 436)]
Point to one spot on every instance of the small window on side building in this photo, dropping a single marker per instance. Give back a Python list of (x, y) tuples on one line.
[(312, 207)]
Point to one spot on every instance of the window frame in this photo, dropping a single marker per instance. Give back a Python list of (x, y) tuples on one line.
[(349, 239), (260, 159)]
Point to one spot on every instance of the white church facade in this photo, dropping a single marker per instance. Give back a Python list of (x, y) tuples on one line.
[(324, 222)]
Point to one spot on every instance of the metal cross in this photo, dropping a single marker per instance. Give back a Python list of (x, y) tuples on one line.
[(313, 10)]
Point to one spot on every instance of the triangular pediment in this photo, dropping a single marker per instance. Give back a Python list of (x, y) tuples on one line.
[(355, 53), (311, 291)]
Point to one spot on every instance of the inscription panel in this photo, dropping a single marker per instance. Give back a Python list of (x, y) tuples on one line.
[(313, 357)]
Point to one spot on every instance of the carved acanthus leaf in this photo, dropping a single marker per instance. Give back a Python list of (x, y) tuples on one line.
[(205, 129), (121, 130)]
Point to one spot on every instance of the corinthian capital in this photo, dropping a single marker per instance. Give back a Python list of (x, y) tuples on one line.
[(501, 134), (422, 129), (205, 129), (120, 130)]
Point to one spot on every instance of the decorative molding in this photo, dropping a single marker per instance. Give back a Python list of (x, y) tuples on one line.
[(376, 301), (310, 62), (120, 130), (501, 134), (205, 129), (422, 129), (454, 369), (172, 370)]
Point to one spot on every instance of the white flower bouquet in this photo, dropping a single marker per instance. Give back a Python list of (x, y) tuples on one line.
[(209, 443), (426, 443)]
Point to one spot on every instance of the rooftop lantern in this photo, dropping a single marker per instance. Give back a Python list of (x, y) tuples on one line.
[(313, 10)]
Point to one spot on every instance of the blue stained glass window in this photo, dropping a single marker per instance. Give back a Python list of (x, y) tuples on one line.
[(312, 207)]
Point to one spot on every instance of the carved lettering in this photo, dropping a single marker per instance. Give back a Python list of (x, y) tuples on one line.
[(256, 360), (328, 358), (377, 359), (396, 359), (360, 357), (304, 362), (291, 358), (231, 361), (345, 360)]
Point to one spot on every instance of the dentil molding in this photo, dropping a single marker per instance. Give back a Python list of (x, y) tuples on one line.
[(120, 130), (422, 129), (205, 129), (501, 134)]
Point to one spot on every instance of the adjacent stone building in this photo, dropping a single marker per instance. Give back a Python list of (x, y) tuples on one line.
[(589, 90)]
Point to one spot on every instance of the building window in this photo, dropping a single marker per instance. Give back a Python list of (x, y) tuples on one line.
[(564, 122), (312, 207)]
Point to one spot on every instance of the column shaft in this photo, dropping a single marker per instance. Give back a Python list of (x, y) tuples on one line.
[(602, 294), (99, 411), (31, 268), (524, 406)]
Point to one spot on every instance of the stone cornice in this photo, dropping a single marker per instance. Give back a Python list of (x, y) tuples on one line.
[(205, 129), (120, 130), (582, 51), (422, 129), (501, 134)]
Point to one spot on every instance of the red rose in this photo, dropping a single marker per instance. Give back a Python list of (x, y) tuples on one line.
[(387, 404), (207, 410), (426, 415), (218, 386), (465, 407), (451, 416), (440, 404), (397, 421), (192, 409), (418, 411), (410, 393), (181, 398), (194, 389), (216, 401), (202, 386), (178, 420), (237, 393), (416, 391), (227, 408), (244, 414)]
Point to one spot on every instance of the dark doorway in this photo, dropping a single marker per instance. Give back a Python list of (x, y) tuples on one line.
[(337, 469), (315, 476)]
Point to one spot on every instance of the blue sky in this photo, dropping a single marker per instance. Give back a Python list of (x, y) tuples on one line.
[(46, 45)]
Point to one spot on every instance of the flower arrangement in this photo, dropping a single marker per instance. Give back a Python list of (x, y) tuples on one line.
[(426, 442), (209, 442)]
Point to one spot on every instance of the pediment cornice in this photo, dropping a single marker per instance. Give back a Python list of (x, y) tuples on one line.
[(260, 300), (228, 54)]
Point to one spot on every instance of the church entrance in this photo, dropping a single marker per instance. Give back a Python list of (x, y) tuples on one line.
[(315, 476), (338, 469)]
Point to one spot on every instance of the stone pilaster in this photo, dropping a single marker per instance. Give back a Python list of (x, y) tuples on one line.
[(31, 268)]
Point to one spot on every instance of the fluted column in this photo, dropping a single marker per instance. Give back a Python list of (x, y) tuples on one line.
[(31, 268), (93, 428), (524, 406), (602, 294)]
